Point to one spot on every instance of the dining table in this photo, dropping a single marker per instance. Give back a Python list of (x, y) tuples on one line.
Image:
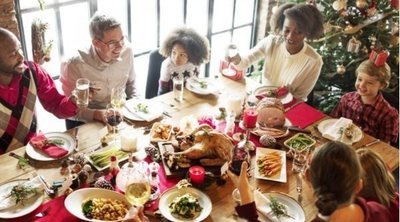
[(197, 105)]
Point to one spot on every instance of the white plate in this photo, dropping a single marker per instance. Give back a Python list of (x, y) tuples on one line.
[(279, 177), (194, 86), (69, 145), (73, 202), (325, 124), (284, 99), (293, 207), (19, 210), (155, 110), (108, 165), (169, 195)]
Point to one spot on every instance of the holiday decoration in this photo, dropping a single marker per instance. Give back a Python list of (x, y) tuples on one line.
[(353, 45), (340, 69), (361, 4), (379, 57), (339, 5)]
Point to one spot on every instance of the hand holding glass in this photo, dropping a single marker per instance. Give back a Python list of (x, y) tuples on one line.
[(81, 92)]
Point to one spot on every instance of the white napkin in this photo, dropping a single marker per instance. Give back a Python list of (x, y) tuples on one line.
[(7, 201), (150, 116), (333, 132), (262, 204)]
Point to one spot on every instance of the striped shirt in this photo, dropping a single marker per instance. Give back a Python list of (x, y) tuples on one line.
[(379, 120)]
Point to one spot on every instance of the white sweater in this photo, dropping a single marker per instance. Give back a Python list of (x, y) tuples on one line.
[(298, 72)]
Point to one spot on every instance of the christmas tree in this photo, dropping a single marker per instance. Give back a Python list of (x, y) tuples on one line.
[(353, 29)]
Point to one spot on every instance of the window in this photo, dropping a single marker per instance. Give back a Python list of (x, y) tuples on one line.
[(144, 22)]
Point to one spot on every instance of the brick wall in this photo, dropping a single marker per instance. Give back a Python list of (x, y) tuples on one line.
[(7, 16)]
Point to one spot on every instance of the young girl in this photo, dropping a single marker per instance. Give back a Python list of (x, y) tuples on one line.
[(185, 50), (379, 183), (336, 177)]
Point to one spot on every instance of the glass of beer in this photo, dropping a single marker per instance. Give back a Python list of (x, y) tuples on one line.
[(82, 92)]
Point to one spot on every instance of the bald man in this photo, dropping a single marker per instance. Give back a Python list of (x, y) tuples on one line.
[(21, 82)]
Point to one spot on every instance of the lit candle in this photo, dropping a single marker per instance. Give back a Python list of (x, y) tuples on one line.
[(250, 118), (196, 174)]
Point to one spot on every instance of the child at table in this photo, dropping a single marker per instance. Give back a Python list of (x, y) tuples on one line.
[(336, 176), (367, 107), (185, 50), (379, 183)]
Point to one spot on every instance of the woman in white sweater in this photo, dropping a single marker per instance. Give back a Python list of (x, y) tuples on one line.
[(288, 60)]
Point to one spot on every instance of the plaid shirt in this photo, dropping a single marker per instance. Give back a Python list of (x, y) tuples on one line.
[(379, 120)]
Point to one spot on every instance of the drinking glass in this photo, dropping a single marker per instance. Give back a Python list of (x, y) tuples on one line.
[(231, 51), (129, 139), (178, 89), (300, 159), (118, 97), (138, 188), (82, 92), (114, 118)]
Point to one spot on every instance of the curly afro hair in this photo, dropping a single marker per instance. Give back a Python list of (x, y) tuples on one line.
[(197, 46), (307, 17)]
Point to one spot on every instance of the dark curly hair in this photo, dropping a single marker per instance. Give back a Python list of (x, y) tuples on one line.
[(306, 16), (197, 46), (334, 174)]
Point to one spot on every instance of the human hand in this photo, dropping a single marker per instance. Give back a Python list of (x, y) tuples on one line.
[(136, 214), (243, 185), (100, 115)]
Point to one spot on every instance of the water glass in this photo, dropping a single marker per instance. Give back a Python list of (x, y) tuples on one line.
[(178, 89), (82, 92), (300, 158)]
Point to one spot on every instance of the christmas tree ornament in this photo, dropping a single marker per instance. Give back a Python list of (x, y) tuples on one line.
[(361, 4), (353, 45), (394, 4), (340, 69), (379, 57), (339, 5), (371, 12)]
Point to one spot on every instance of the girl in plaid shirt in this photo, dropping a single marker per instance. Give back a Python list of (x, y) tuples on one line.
[(367, 107)]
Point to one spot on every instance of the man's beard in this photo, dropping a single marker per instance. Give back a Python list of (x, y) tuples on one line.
[(16, 69)]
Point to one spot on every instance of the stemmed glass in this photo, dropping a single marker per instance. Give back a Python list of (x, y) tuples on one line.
[(129, 138), (138, 189), (118, 97), (231, 51), (114, 118)]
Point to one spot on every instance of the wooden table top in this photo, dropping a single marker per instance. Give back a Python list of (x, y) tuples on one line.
[(223, 203)]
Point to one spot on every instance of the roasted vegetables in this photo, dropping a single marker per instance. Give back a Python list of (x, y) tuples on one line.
[(102, 158)]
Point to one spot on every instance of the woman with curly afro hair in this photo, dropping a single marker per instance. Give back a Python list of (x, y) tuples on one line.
[(288, 60), (185, 50)]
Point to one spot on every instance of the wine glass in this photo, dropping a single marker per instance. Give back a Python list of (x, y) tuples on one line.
[(118, 97), (231, 52), (138, 189), (129, 139), (114, 118)]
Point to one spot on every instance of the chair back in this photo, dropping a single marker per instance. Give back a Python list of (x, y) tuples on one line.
[(153, 75)]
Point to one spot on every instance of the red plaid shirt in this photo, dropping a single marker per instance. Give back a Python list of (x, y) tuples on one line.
[(379, 120)]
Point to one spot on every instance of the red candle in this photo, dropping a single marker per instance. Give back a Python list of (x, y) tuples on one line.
[(250, 118), (196, 174)]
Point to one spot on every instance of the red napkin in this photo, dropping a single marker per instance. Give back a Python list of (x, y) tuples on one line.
[(57, 212), (303, 115), (39, 143), (278, 93)]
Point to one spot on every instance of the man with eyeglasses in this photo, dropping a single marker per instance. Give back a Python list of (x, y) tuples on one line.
[(108, 64)]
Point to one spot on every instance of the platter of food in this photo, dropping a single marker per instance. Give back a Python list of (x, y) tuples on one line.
[(10, 207), (278, 206), (61, 140), (100, 159), (88, 204), (276, 132), (142, 110), (201, 86), (160, 132), (271, 164), (185, 204), (299, 141)]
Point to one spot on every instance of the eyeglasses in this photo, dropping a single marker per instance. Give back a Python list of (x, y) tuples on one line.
[(113, 44)]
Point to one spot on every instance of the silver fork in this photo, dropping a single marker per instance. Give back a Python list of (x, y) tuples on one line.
[(44, 212)]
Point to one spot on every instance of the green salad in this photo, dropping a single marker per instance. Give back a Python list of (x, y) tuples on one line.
[(186, 206), (300, 142)]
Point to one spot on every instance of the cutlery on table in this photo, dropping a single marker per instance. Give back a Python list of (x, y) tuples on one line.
[(294, 105), (370, 144), (299, 187), (49, 191), (18, 157), (44, 212), (76, 131)]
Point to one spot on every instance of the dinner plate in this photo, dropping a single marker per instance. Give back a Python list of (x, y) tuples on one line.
[(169, 195), (132, 111), (69, 145), (325, 124), (287, 98), (73, 202), (19, 210), (293, 207), (197, 86), (278, 177)]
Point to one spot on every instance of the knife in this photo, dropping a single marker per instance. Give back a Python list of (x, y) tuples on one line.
[(76, 130), (298, 129), (369, 144)]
